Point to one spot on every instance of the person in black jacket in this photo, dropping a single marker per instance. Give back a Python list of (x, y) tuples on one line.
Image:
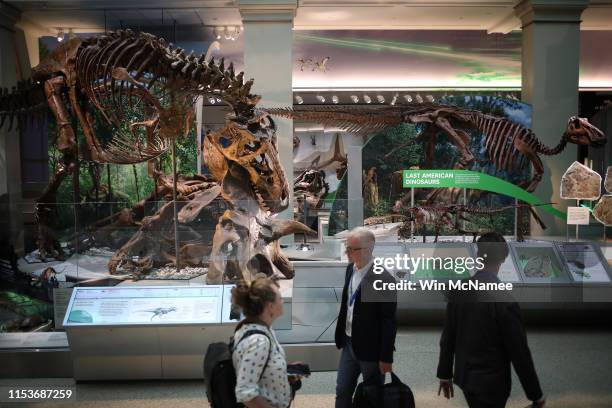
[(366, 326), (484, 334)]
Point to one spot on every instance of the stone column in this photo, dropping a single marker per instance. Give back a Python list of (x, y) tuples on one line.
[(10, 164), (354, 146), (268, 58), (550, 65)]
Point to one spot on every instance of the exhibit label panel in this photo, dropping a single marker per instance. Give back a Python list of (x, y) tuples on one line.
[(584, 262), (146, 305), (538, 262)]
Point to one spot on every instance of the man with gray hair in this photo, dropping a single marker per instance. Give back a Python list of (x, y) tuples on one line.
[(366, 326)]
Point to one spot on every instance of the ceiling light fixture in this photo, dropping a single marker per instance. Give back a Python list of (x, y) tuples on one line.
[(429, 98), (321, 98), (380, 98), (394, 100), (367, 99), (299, 99), (227, 32), (218, 32), (419, 98), (335, 99), (355, 98), (408, 98)]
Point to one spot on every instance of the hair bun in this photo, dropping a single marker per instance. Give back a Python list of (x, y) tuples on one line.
[(253, 296)]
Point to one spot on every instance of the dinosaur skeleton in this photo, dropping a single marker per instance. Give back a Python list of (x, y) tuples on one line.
[(144, 89), (443, 216), (310, 189), (510, 145)]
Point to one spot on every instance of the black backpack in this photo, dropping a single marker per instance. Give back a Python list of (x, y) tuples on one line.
[(219, 373)]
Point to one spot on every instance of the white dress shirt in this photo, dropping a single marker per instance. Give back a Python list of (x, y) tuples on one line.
[(356, 278)]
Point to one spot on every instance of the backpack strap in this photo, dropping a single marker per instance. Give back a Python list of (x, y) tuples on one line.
[(248, 334)]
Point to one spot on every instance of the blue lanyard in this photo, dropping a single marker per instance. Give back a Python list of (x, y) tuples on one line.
[(352, 295)]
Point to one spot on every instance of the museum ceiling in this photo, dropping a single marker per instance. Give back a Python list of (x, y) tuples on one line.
[(343, 45), (490, 15)]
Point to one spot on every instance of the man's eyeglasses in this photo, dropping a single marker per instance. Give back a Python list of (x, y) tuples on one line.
[(351, 249)]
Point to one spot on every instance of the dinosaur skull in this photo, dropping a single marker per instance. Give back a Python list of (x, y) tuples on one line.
[(246, 153), (579, 131)]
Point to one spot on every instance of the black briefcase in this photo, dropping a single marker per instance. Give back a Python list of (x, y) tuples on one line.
[(395, 394)]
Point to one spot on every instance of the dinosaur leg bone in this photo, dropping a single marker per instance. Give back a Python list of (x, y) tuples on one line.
[(54, 88), (459, 139)]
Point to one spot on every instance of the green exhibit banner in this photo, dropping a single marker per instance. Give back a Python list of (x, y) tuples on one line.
[(473, 180)]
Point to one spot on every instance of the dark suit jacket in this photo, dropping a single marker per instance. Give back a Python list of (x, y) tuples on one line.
[(374, 318), (484, 338)]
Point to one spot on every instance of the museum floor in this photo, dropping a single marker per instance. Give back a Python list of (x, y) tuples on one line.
[(574, 365)]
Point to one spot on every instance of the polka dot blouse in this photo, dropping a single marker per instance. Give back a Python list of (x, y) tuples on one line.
[(249, 359)]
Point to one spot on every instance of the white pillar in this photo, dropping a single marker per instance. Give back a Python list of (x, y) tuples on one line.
[(550, 65), (10, 165), (354, 146), (268, 58)]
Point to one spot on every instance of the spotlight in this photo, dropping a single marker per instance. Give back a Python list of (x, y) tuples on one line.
[(299, 99), (228, 33), (408, 98), (429, 98), (355, 98), (219, 100), (335, 99), (60, 35), (212, 100), (367, 99), (218, 32), (394, 100), (380, 98), (321, 98), (419, 98), (305, 247)]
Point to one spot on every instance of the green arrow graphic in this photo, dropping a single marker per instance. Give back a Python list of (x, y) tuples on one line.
[(476, 181)]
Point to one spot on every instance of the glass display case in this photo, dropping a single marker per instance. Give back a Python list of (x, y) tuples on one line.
[(539, 262)]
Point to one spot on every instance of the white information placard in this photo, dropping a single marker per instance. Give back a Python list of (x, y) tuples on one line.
[(578, 216), (144, 305)]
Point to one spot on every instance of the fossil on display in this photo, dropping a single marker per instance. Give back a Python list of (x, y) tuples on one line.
[(509, 144), (603, 210), (447, 216), (538, 266), (580, 183), (608, 182), (310, 189), (143, 90)]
